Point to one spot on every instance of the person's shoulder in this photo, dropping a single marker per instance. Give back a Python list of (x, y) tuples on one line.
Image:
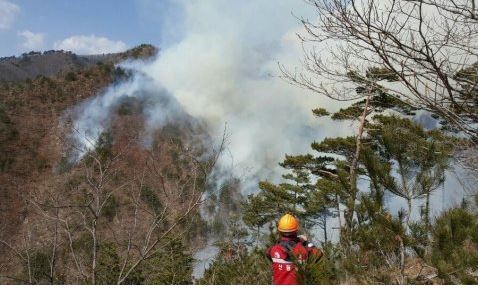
[(276, 249), (303, 239)]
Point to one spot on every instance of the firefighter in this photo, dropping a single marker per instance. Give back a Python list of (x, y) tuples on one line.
[(289, 251)]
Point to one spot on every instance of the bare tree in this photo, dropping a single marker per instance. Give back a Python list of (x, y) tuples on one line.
[(122, 195), (429, 46)]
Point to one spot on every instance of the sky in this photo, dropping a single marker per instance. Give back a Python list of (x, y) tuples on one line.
[(87, 26)]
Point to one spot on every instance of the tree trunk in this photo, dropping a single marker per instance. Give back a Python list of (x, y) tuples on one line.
[(402, 260), (53, 255), (427, 211), (409, 204), (337, 199), (258, 234), (427, 222), (353, 167), (95, 242)]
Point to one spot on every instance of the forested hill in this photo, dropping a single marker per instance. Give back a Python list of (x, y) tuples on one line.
[(35, 91), (140, 191), (48, 63)]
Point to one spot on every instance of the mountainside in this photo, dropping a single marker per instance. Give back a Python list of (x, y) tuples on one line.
[(163, 181), (49, 63), (30, 117)]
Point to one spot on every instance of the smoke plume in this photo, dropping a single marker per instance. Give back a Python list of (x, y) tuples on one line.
[(224, 71)]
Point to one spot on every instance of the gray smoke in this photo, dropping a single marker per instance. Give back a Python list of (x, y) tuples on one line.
[(224, 70), (92, 117)]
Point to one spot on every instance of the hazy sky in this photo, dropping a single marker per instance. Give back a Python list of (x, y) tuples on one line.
[(87, 26), (101, 26)]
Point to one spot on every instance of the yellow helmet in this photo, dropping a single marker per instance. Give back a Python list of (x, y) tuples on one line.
[(288, 223)]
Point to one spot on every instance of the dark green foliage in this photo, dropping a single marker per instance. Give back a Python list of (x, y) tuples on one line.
[(321, 272), (63, 166), (377, 73), (351, 112), (254, 214), (217, 226), (455, 246), (130, 106), (319, 112), (38, 267), (377, 232), (6, 162), (379, 98), (110, 208), (419, 238), (172, 265), (7, 128), (235, 266), (108, 268), (71, 76), (196, 228), (468, 74), (119, 74), (5, 85), (142, 51), (105, 68), (343, 146), (224, 202), (104, 147), (271, 202), (83, 243), (8, 132), (25, 59), (379, 102), (150, 198), (41, 162), (421, 157), (468, 78)]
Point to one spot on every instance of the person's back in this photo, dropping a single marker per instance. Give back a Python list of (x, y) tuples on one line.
[(289, 251)]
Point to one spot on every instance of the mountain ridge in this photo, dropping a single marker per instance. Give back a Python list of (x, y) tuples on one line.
[(48, 63)]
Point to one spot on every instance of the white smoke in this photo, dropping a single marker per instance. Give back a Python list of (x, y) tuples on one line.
[(93, 116), (224, 70)]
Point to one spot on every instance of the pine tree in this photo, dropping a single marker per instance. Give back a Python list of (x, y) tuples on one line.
[(455, 246), (235, 264), (397, 157)]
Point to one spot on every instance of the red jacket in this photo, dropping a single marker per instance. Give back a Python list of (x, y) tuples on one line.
[(283, 254)]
